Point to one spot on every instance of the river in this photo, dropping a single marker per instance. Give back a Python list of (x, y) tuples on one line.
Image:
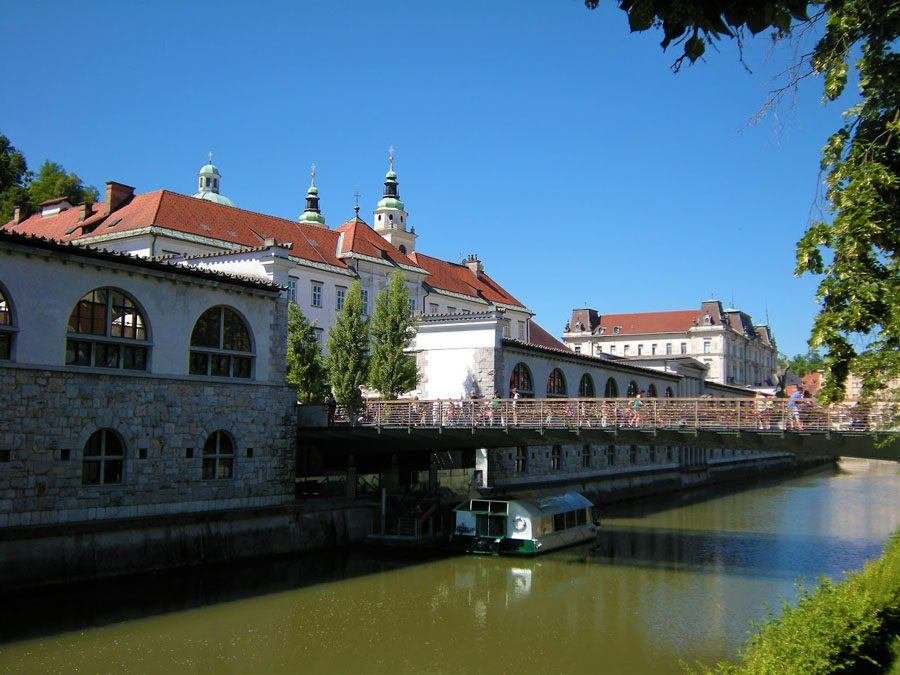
[(668, 582)]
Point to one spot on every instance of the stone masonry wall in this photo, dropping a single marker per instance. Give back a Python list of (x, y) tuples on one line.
[(47, 416)]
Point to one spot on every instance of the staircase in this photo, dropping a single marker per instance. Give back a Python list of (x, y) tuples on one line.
[(414, 519)]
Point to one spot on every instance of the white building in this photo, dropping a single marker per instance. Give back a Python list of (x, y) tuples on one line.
[(725, 341), (316, 264)]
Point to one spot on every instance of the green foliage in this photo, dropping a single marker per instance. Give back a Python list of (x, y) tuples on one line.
[(348, 342), (856, 250), (801, 364), (305, 366), (14, 176), (20, 187), (832, 627), (52, 181), (391, 370)]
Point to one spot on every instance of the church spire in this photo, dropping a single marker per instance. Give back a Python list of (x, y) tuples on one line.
[(312, 215), (390, 212)]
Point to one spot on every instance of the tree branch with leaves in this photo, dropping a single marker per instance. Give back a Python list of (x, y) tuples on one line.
[(392, 370)]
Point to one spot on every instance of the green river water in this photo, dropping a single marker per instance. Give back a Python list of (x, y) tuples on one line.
[(668, 581)]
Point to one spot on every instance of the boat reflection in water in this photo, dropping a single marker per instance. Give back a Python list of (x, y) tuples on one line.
[(522, 526)]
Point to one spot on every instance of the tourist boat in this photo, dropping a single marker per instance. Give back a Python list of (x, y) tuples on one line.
[(522, 526)]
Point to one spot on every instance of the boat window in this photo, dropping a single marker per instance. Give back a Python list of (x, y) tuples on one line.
[(559, 522), (499, 507), (581, 516), (570, 519), (480, 505)]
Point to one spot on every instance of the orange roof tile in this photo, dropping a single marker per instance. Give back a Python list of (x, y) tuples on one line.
[(458, 278), (362, 239), (540, 337), (676, 321)]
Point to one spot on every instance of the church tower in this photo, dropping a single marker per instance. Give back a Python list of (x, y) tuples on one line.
[(312, 215), (391, 216), (208, 184)]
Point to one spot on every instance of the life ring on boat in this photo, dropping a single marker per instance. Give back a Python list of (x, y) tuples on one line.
[(519, 524)]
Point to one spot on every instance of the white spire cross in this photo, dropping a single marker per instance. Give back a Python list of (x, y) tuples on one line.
[(391, 156)]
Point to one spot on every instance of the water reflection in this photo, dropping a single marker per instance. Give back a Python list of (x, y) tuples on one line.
[(660, 585)]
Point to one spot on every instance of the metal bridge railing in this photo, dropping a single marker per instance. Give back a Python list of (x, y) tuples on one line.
[(716, 414)]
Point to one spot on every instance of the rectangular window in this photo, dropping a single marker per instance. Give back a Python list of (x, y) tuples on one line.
[(653, 349), (640, 350), (559, 522), (684, 347), (316, 294), (668, 348), (577, 349), (433, 307), (365, 299), (451, 310), (585, 456), (521, 330), (292, 290), (706, 346), (412, 305), (612, 349), (626, 349), (340, 292), (319, 333), (611, 455), (521, 459), (556, 457), (506, 323)]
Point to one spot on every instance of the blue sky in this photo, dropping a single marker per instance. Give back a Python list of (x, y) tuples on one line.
[(544, 137)]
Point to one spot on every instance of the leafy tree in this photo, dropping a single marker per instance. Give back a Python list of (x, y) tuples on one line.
[(801, 364), (856, 251), (305, 366), (348, 342), (391, 370), (14, 176), (52, 181)]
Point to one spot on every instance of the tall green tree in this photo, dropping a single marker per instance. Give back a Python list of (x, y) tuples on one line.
[(855, 249), (305, 365), (53, 181), (348, 343), (392, 371), (14, 177)]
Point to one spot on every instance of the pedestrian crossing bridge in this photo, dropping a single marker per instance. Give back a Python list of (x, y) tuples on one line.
[(855, 429)]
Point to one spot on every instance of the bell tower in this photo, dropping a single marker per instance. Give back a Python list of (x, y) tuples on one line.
[(390, 213), (312, 215)]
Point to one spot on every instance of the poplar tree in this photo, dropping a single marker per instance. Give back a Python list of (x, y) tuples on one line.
[(391, 370), (348, 342), (305, 366)]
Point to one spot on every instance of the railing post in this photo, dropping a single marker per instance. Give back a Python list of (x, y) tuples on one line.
[(696, 414), (378, 414), (541, 414), (739, 414)]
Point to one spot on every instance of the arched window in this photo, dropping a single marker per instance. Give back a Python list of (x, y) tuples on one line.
[(651, 391), (220, 344), (586, 386), (521, 381), (556, 383), (107, 330), (669, 392), (612, 389), (7, 326), (218, 456), (632, 389), (402, 249), (102, 459)]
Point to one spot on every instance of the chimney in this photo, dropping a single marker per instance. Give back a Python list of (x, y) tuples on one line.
[(117, 195), (269, 242), (86, 210), (474, 264), (17, 215)]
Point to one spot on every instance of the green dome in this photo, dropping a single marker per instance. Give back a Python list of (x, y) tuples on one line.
[(390, 175), (211, 196), (313, 190), (209, 170), (312, 217), (390, 203)]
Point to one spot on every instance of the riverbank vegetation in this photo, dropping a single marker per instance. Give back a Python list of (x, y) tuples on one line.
[(852, 626)]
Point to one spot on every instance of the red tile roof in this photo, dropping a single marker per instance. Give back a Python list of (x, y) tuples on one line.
[(248, 229), (676, 321), (541, 338), (458, 278)]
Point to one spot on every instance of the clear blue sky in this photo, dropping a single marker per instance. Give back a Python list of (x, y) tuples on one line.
[(541, 136)]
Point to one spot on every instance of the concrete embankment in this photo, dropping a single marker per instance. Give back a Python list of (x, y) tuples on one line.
[(32, 557)]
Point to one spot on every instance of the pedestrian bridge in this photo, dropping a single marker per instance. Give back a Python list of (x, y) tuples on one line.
[(856, 429)]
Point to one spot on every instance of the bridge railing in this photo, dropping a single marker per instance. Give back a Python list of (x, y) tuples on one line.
[(619, 413)]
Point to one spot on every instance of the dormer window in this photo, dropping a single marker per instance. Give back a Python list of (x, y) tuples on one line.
[(617, 330), (602, 330), (707, 320)]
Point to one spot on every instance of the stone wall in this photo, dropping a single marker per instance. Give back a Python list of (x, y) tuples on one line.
[(48, 414)]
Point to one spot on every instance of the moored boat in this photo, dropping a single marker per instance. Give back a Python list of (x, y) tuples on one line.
[(522, 526)]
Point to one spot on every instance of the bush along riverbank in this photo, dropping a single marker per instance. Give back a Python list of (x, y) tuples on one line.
[(847, 627)]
